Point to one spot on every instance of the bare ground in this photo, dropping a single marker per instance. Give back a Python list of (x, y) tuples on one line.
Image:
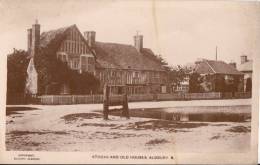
[(81, 128)]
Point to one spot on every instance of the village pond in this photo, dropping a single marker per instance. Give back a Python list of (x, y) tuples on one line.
[(198, 113), (77, 128)]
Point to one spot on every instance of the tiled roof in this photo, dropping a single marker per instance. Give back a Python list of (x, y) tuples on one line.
[(122, 56), (112, 55), (246, 67), (216, 67), (47, 37)]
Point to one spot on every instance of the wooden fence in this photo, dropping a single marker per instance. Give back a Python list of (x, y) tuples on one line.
[(202, 96), (70, 99), (93, 99), (243, 95)]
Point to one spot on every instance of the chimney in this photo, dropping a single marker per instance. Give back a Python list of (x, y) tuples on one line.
[(233, 64), (29, 39), (243, 59), (35, 43), (138, 41), (90, 36)]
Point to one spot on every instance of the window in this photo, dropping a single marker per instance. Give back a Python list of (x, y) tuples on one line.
[(87, 63), (65, 46), (75, 48), (69, 46), (83, 63), (62, 56), (74, 64), (78, 46), (229, 79)]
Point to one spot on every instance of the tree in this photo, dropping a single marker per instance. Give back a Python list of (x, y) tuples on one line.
[(194, 83), (84, 83), (52, 73), (177, 74), (161, 60), (220, 85), (17, 63)]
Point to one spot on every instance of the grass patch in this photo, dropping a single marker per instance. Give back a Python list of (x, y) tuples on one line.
[(156, 141), (171, 126), (22, 133), (16, 110), (215, 137), (239, 129), (76, 116), (114, 135), (97, 125)]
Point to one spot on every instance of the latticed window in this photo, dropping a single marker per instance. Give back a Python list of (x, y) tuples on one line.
[(87, 63), (74, 64)]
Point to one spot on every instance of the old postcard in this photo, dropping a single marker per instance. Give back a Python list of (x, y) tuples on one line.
[(150, 81)]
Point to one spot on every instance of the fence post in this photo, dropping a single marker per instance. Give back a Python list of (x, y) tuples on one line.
[(52, 99)]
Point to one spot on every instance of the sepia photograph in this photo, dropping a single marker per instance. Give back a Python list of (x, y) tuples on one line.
[(113, 81)]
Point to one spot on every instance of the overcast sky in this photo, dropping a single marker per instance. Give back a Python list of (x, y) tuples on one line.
[(181, 31)]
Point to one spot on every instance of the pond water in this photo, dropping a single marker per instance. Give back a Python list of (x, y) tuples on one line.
[(202, 114)]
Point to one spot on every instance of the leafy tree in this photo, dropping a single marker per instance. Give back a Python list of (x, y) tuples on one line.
[(50, 70), (161, 60), (177, 74), (84, 83), (17, 63)]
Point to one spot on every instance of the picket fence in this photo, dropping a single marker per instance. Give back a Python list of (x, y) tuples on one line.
[(95, 99)]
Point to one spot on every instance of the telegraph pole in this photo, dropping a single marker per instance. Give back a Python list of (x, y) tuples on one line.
[(216, 53)]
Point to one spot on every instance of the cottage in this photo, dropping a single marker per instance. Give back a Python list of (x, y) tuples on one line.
[(219, 76), (246, 67), (112, 63)]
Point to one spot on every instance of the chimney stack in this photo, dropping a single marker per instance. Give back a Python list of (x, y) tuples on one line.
[(35, 41), (138, 41), (29, 39), (243, 59), (90, 36)]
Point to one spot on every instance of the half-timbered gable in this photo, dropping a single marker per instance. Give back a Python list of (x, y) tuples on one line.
[(74, 50)]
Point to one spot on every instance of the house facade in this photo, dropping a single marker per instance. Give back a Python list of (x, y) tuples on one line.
[(218, 76), (113, 64)]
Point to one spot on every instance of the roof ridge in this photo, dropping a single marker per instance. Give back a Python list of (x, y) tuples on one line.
[(56, 29), (114, 43), (210, 66)]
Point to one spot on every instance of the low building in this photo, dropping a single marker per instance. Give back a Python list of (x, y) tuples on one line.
[(112, 63), (218, 76), (246, 67)]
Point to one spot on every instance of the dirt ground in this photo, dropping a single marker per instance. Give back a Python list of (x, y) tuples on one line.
[(82, 128)]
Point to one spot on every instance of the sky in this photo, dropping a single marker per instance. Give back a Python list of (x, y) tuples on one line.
[(180, 31)]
